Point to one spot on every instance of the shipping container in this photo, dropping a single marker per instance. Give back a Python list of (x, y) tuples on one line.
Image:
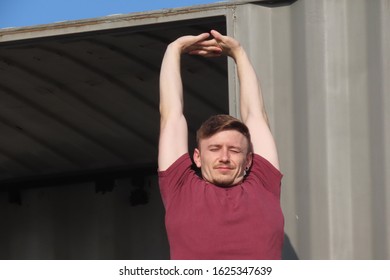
[(79, 125)]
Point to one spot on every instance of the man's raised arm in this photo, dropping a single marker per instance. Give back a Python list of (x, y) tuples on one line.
[(252, 108), (173, 141)]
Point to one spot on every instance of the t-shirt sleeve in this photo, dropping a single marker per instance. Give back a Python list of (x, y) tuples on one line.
[(171, 179), (268, 174)]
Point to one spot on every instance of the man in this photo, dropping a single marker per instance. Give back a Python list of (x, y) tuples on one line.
[(231, 211)]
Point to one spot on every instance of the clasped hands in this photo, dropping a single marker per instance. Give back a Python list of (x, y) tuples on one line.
[(205, 46)]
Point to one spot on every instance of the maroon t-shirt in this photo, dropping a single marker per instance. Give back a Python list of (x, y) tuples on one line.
[(204, 221)]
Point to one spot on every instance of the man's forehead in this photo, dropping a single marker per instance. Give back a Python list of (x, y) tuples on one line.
[(226, 137)]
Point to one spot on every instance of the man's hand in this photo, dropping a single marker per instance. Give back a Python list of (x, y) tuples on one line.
[(217, 46), (194, 44)]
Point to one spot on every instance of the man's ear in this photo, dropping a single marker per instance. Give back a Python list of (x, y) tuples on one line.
[(197, 157), (249, 158)]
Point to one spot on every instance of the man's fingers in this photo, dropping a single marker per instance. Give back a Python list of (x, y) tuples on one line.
[(206, 53), (218, 36), (187, 42), (211, 42), (202, 37), (203, 45)]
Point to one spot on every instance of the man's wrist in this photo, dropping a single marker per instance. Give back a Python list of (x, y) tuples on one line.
[(237, 53), (175, 47)]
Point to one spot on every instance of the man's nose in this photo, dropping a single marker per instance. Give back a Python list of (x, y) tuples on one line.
[(224, 157)]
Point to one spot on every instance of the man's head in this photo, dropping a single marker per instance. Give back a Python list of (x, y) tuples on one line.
[(224, 150)]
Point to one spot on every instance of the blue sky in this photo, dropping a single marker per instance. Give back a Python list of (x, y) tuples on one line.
[(17, 13)]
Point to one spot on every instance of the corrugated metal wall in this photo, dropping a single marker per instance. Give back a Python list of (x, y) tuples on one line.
[(325, 71)]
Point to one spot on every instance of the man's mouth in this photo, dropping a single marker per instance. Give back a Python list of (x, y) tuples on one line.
[(222, 168)]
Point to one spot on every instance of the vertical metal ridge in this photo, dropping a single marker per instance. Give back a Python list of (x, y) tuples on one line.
[(377, 122)]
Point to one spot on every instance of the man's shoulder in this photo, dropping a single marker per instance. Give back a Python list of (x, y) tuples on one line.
[(180, 164), (262, 164), (265, 174)]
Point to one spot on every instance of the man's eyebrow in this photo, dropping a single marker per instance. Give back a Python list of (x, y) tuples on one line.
[(219, 146)]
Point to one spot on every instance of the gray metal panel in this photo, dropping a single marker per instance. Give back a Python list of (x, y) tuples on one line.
[(324, 67)]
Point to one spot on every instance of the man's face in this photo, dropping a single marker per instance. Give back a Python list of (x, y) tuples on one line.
[(223, 157)]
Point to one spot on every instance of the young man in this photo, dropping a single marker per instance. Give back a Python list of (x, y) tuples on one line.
[(231, 211)]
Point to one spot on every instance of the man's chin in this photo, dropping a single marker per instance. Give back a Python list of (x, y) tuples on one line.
[(223, 183)]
